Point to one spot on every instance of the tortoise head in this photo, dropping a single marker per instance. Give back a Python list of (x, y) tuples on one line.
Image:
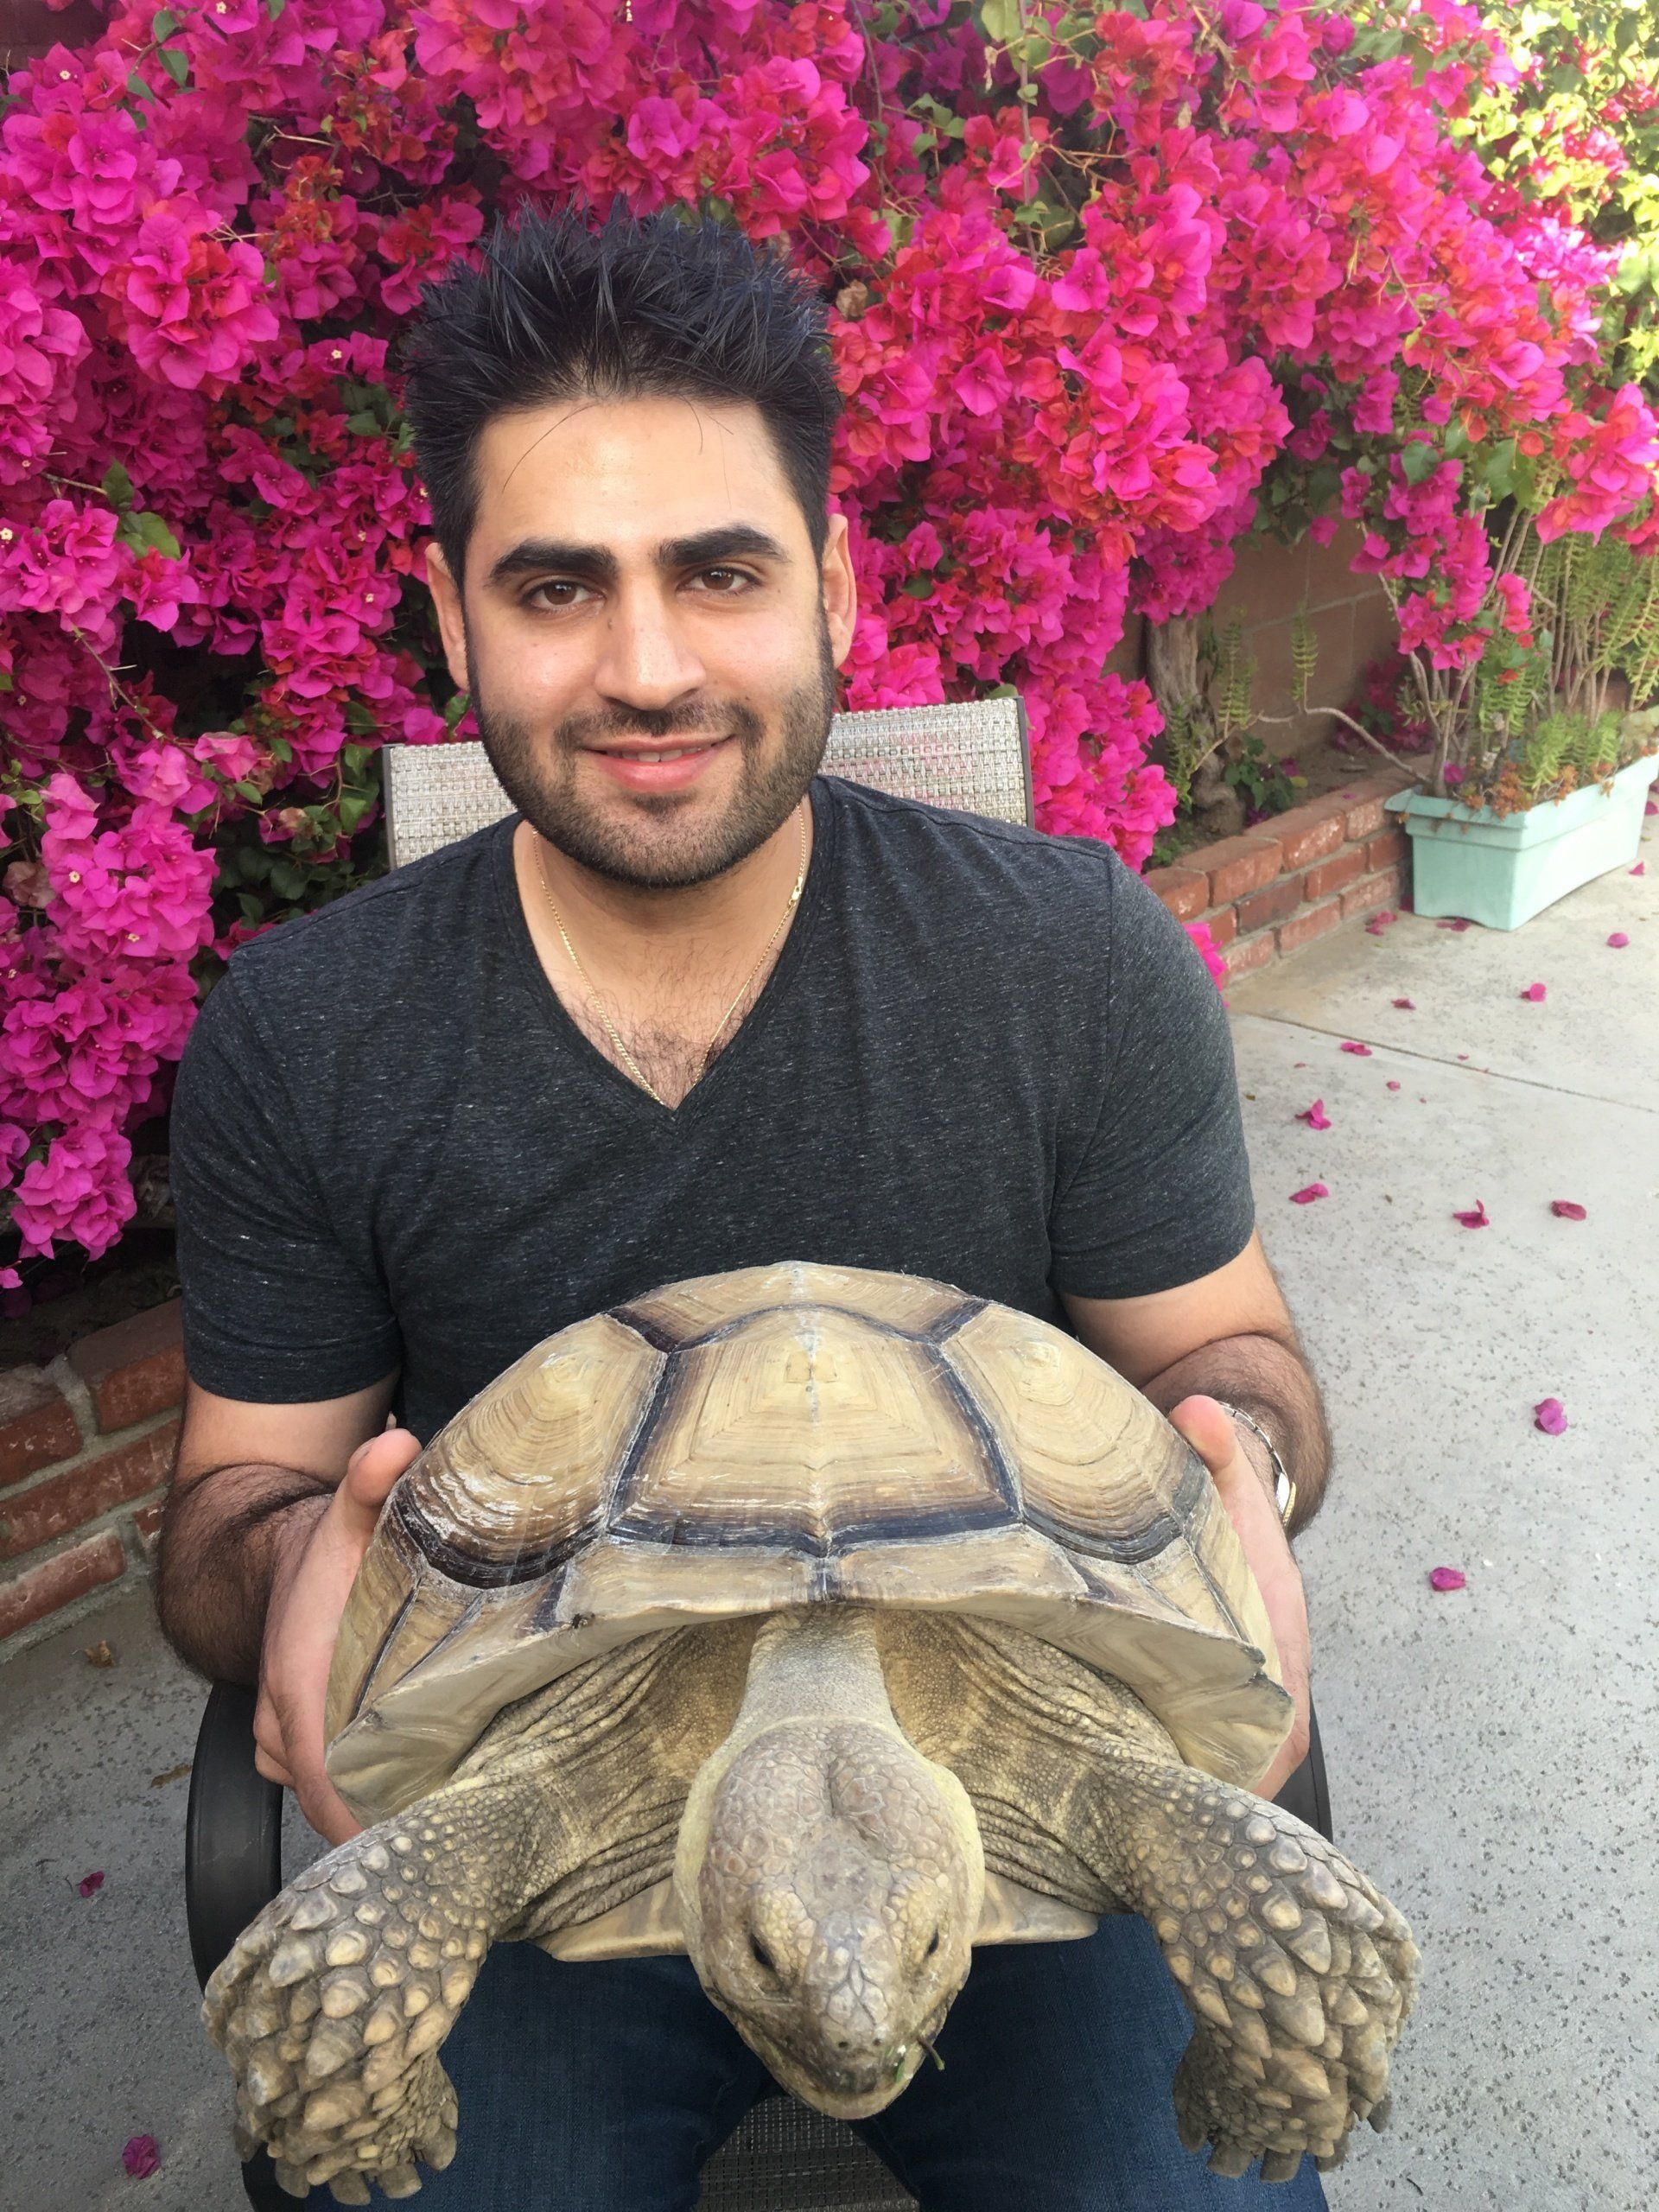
[(830, 1880)]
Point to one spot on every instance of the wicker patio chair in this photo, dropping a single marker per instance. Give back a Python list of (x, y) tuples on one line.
[(784, 2157)]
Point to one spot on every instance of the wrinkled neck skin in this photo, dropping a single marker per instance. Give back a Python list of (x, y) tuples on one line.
[(830, 1879)]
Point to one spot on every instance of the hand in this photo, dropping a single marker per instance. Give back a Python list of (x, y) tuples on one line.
[(322, 1549), (1217, 1439)]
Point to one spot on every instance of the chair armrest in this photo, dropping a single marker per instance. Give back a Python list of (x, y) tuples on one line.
[(1305, 1793), (233, 1830)]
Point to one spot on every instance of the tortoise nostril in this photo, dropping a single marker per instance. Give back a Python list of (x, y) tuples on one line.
[(761, 1955), (932, 1944)]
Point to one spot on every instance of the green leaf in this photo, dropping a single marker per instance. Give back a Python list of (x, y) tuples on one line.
[(176, 65), (273, 8), (253, 910), (138, 88), (251, 793), (364, 424), (1498, 472), (1418, 460), (152, 531), (999, 20), (918, 586), (117, 486), (162, 24)]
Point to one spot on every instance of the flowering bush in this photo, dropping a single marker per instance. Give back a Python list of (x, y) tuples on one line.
[(1111, 289)]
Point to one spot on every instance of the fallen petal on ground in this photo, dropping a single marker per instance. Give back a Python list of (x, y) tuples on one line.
[(140, 2154), (1446, 1578), (1641, 868), (1534, 991), (89, 1884), (1455, 922), (1315, 1115), (1409, 1004), (1308, 1193), (1567, 1209), (1476, 1218), (1618, 938), (1349, 1046), (1393, 1085), (1548, 1415)]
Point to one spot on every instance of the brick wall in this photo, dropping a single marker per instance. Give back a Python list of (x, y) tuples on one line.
[(86, 1445), (1296, 875)]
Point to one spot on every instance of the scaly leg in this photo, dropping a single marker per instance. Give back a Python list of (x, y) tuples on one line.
[(1298, 1974), (331, 2004)]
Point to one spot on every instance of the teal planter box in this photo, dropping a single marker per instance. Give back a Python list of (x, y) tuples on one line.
[(1502, 870)]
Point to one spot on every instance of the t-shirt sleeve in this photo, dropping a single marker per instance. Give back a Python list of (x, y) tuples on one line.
[(275, 1310), (1162, 1195)]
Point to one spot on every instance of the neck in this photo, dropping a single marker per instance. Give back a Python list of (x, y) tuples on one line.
[(811, 1663), (616, 924)]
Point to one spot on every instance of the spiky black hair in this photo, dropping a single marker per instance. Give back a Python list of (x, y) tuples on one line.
[(670, 304)]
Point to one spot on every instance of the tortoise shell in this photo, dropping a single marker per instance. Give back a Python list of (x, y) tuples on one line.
[(779, 1436)]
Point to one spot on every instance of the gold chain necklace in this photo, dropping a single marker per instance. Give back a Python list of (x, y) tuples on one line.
[(794, 899)]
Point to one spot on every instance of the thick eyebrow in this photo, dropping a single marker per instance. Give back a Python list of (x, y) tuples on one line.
[(598, 564)]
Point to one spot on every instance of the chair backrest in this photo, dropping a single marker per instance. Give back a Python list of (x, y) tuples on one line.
[(972, 754)]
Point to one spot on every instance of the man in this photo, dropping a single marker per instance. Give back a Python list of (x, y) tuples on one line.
[(677, 1016)]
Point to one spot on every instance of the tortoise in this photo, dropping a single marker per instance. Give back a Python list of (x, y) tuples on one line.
[(820, 1622)]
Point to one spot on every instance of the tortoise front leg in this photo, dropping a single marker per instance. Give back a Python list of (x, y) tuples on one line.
[(331, 2004), (1298, 1974)]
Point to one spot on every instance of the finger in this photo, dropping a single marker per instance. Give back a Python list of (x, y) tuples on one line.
[(273, 1769), (371, 1473), (326, 1809), (1208, 1427)]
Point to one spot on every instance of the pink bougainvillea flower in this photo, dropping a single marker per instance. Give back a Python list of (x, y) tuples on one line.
[(1641, 868), (1446, 1578), (1378, 922), (1649, 808), (1534, 991), (1410, 1005), (1476, 1216), (1315, 1115), (1308, 1192), (141, 2155), (1393, 1085), (1349, 1046), (1548, 1415), (90, 1883), (1618, 938), (1568, 1209), (1453, 922)]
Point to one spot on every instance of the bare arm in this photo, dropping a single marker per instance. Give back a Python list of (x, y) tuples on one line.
[(250, 1483), (1229, 1335), (1270, 1379)]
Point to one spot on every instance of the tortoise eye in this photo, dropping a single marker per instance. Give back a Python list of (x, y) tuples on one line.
[(761, 1955)]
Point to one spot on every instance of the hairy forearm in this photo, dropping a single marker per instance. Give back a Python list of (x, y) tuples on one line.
[(1271, 1380), (220, 1541)]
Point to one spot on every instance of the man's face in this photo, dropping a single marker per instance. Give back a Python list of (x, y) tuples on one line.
[(584, 623)]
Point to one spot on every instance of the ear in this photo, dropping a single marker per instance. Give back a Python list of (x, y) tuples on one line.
[(840, 589), (446, 599)]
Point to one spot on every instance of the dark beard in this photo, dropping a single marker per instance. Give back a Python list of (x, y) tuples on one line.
[(541, 780)]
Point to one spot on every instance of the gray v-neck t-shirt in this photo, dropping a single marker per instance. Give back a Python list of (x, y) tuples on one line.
[(985, 1054)]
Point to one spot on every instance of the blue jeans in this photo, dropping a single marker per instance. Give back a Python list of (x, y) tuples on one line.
[(603, 2087)]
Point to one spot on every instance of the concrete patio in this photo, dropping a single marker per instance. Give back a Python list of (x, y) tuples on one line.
[(1491, 1750)]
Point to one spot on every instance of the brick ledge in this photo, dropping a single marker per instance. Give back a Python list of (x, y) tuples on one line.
[(1288, 879)]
